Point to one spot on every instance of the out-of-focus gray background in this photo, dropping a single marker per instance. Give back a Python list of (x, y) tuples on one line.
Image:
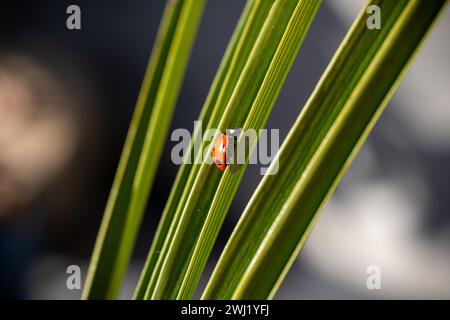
[(66, 98)]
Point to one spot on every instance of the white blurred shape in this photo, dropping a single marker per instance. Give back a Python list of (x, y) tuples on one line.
[(376, 223), (422, 100), (424, 95)]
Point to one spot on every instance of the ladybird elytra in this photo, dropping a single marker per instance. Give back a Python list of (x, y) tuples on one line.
[(219, 152)]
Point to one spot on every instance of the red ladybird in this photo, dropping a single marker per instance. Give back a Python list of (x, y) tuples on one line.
[(219, 151)]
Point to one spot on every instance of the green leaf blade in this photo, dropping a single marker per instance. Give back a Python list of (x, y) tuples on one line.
[(171, 282), (283, 209)]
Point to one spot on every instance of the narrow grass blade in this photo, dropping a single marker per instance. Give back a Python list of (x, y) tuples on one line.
[(220, 86), (159, 91), (330, 130), (171, 278)]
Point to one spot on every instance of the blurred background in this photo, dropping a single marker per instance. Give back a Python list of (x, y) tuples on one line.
[(66, 99)]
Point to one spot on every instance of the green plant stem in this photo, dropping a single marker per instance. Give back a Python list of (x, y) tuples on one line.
[(159, 91)]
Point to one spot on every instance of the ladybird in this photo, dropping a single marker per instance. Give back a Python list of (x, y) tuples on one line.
[(219, 151)]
